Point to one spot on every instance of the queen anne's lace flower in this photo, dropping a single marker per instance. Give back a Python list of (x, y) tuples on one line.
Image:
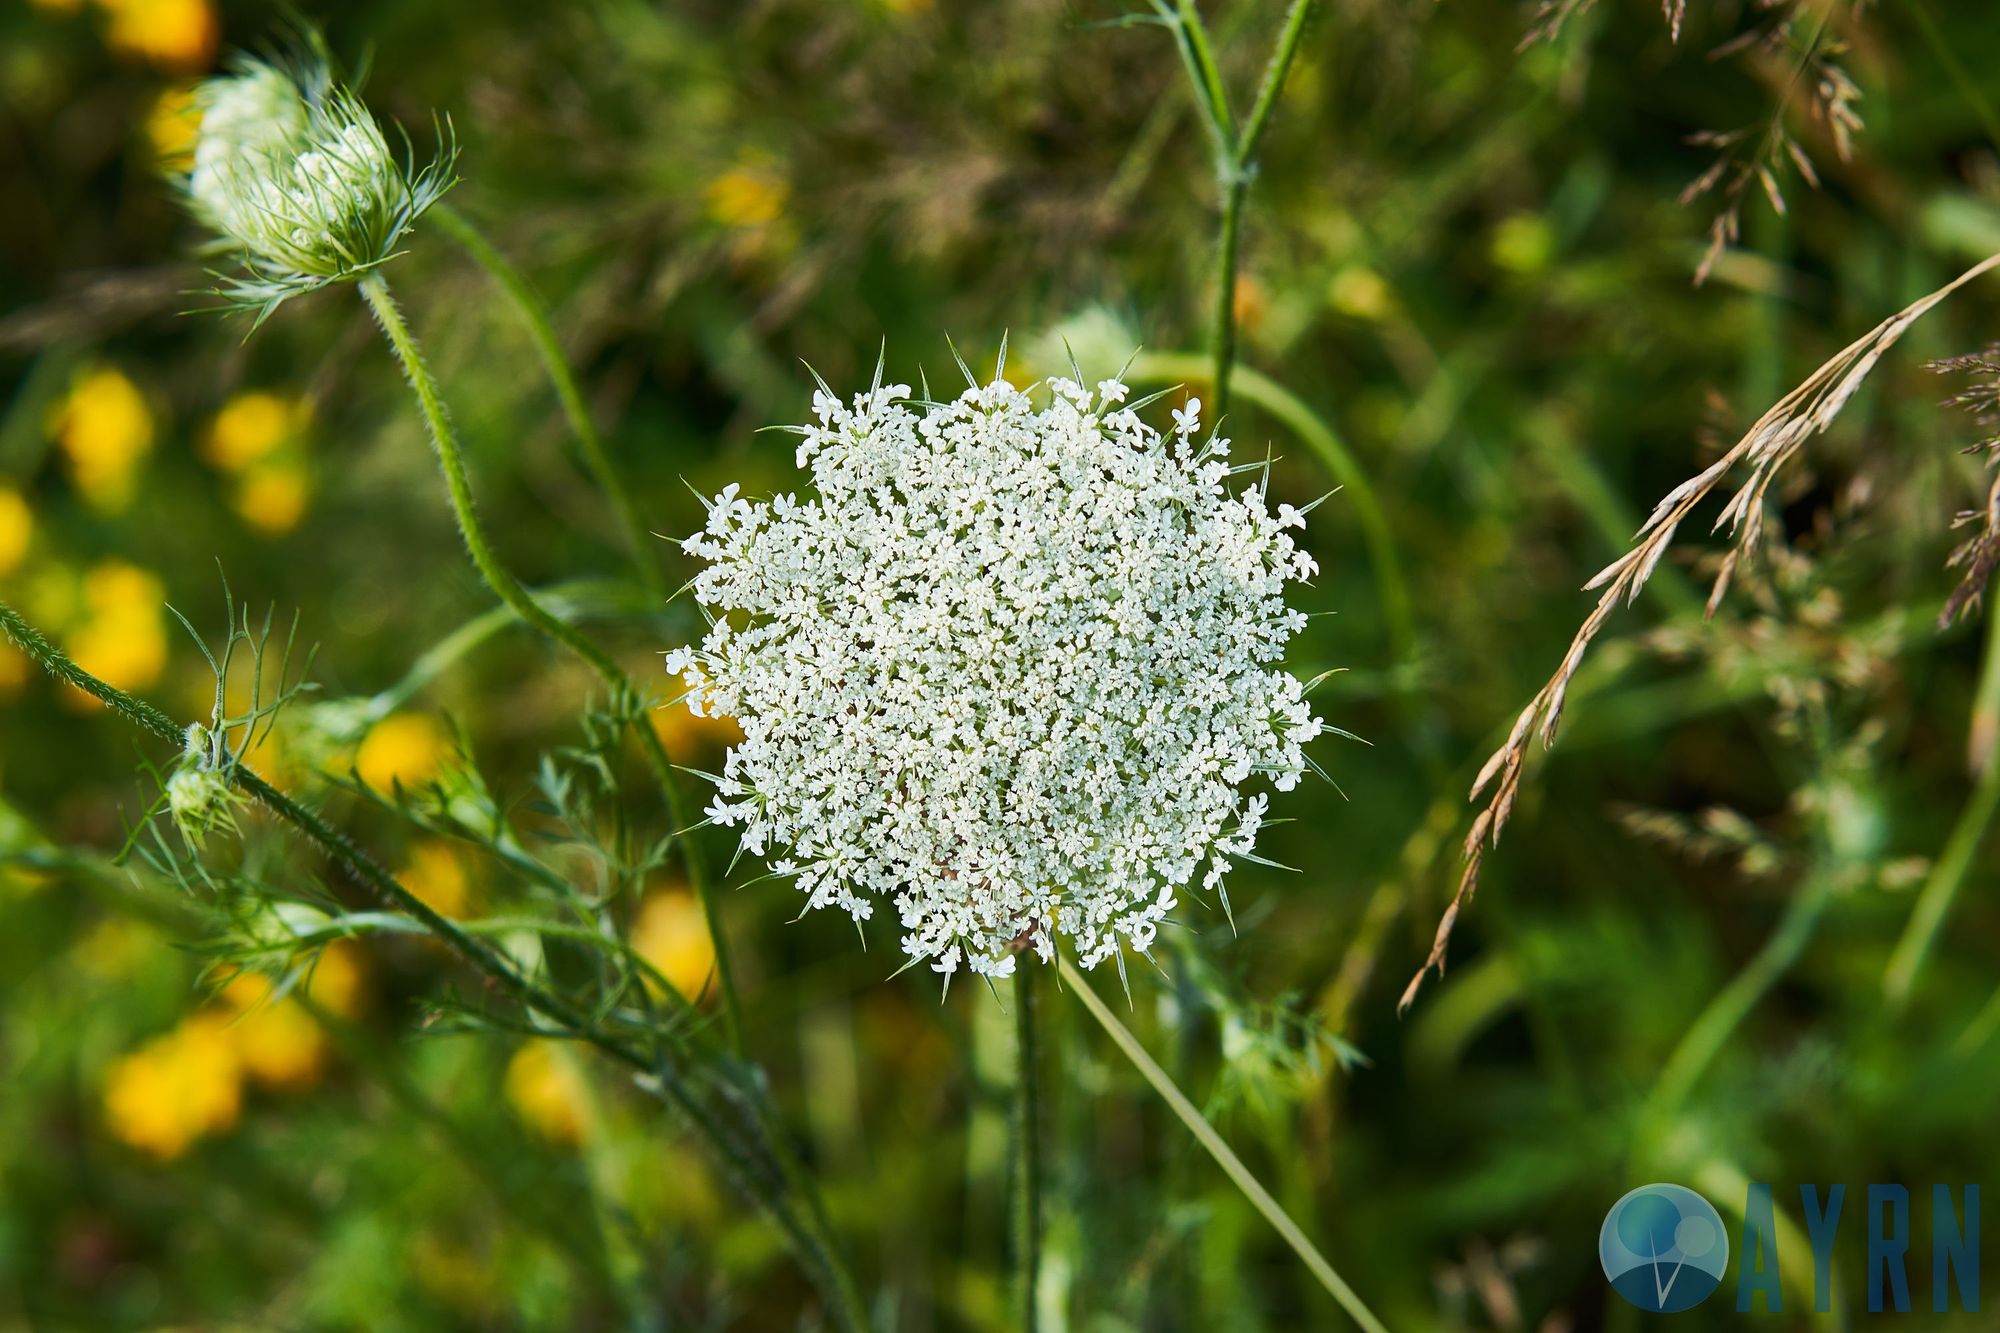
[(1007, 668)]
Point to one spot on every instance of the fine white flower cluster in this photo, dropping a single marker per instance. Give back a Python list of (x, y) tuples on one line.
[(293, 171), (1006, 667)]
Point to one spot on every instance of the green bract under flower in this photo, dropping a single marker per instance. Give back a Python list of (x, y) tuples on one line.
[(293, 172)]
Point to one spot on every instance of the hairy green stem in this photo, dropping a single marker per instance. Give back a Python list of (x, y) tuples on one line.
[(804, 1229), (1027, 1201), (535, 315), (1954, 863), (1232, 1166), (444, 439)]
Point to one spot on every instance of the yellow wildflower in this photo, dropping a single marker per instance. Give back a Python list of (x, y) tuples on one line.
[(436, 875), (174, 34), (335, 982), (272, 498), (751, 194), (671, 934), (682, 733), (250, 428), (406, 748), (123, 637), (105, 430), (171, 126), (176, 1088), (17, 526), (278, 1042), (548, 1092), (1360, 292)]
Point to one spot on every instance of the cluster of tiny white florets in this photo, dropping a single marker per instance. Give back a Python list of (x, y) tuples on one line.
[(1006, 667), (295, 173)]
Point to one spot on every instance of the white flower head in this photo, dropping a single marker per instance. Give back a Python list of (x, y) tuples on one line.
[(293, 172), (1007, 669)]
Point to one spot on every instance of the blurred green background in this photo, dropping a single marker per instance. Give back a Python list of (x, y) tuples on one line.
[(1469, 261)]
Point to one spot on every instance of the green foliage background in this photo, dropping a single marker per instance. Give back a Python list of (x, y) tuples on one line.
[(1469, 261)]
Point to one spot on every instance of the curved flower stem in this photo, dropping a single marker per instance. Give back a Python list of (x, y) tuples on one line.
[(535, 315), (1232, 1166), (792, 1208), (1235, 153), (1318, 435), (1027, 1210), (1954, 863), (444, 438)]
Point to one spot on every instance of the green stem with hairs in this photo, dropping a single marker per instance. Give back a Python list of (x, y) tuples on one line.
[(535, 315), (1027, 1200), (444, 439), (1232, 1165), (1954, 863), (803, 1225)]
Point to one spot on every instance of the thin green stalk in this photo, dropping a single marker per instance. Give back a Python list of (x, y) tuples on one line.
[(805, 1231), (1235, 155), (1027, 1143), (1318, 435), (1232, 1166), (1725, 1012), (444, 439), (1954, 863), (535, 315)]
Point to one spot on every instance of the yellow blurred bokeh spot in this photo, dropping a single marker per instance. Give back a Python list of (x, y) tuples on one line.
[(177, 1088), (173, 34), (105, 430), (750, 194), (172, 123), (548, 1092), (671, 933), (273, 497), (405, 748), (435, 874), (17, 528), (250, 428), (122, 638)]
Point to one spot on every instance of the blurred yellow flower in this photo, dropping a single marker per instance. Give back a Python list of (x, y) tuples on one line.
[(751, 194), (114, 947), (278, 1042), (1251, 304), (436, 875), (176, 1088), (250, 428), (671, 934), (171, 126), (174, 34), (1360, 292), (682, 733), (13, 670), (105, 430), (17, 526), (273, 497), (548, 1092), (1523, 243), (335, 982), (406, 748), (123, 637)]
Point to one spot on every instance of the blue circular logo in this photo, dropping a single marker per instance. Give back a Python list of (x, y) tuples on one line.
[(1663, 1247)]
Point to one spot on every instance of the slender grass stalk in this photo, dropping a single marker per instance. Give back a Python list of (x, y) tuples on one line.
[(1027, 1202), (1954, 863), (1232, 1166), (535, 315), (1318, 435), (1235, 154), (444, 439), (1727, 1009), (793, 1208)]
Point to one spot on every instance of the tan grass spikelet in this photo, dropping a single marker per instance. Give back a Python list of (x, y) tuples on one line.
[(1777, 435)]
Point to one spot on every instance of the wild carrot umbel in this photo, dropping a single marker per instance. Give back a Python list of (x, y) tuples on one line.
[(1764, 449)]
